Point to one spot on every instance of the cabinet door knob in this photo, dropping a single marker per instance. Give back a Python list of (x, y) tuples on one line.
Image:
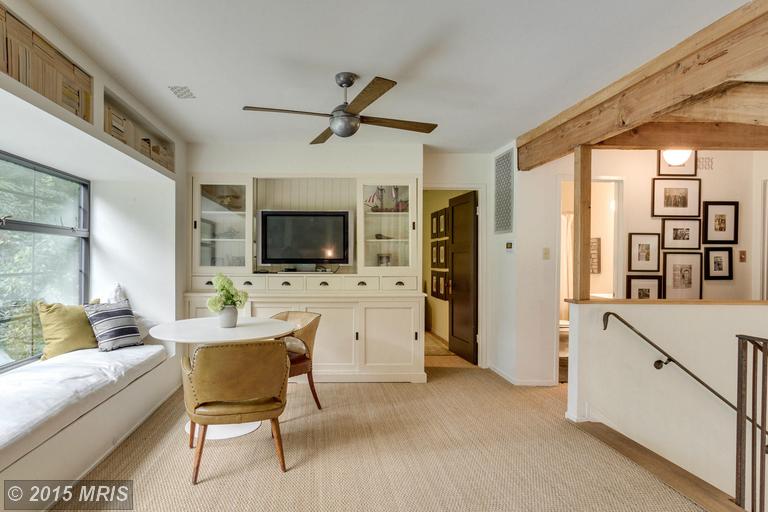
[(362, 283), (209, 283), (399, 283), (286, 283), (247, 283), (323, 283)]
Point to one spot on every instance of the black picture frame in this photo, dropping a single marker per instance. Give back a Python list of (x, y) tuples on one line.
[(434, 290), (708, 223), (630, 245), (659, 160), (658, 279), (442, 285), (433, 254), (433, 225), (656, 214), (666, 275), (443, 220), (442, 254), (708, 270), (665, 243)]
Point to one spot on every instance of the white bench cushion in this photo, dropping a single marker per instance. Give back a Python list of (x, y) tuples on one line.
[(40, 399)]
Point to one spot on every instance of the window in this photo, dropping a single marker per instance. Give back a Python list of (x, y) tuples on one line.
[(43, 250)]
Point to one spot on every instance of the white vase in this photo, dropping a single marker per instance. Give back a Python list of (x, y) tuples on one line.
[(228, 317)]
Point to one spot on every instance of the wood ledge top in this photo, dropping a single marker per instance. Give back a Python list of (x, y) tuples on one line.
[(705, 302)]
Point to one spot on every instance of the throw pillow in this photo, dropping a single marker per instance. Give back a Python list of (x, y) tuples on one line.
[(114, 325), (65, 328)]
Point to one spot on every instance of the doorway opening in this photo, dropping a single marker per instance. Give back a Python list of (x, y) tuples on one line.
[(450, 270), (605, 254)]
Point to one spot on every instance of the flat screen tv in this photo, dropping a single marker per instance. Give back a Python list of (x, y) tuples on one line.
[(304, 237)]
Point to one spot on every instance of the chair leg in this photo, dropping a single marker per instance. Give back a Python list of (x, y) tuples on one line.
[(312, 388), (192, 434), (199, 452), (278, 442)]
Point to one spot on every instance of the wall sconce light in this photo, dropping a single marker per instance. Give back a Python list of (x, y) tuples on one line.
[(676, 157)]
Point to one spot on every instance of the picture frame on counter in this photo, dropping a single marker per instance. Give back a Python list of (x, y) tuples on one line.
[(676, 197), (683, 275), (721, 222), (689, 168), (718, 264), (644, 287), (644, 252), (680, 234)]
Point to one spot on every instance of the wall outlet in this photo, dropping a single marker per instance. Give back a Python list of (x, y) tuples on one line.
[(546, 254)]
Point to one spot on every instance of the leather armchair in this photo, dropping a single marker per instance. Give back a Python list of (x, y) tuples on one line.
[(301, 344), (235, 383)]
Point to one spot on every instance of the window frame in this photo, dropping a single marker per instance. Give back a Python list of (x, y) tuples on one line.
[(82, 232)]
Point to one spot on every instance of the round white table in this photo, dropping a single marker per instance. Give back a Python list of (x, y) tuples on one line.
[(206, 331)]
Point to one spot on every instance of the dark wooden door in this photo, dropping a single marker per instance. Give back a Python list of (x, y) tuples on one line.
[(462, 276)]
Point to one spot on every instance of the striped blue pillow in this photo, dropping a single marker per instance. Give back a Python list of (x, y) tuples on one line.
[(114, 325)]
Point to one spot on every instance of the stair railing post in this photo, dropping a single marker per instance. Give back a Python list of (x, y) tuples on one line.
[(741, 423)]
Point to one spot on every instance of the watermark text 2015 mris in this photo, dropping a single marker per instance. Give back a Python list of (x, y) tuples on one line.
[(85, 494)]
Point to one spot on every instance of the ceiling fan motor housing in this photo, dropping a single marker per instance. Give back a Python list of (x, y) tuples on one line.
[(344, 124)]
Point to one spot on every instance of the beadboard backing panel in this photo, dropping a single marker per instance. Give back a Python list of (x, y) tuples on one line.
[(305, 194)]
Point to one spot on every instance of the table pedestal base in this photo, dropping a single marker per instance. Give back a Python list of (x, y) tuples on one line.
[(226, 431)]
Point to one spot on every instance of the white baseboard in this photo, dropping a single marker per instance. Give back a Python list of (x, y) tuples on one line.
[(522, 382), (414, 377)]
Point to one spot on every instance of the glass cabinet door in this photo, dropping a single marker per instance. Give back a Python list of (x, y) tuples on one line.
[(387, 225), (223, 227)]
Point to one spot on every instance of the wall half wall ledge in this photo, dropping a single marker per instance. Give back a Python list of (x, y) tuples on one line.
[(703, 302)]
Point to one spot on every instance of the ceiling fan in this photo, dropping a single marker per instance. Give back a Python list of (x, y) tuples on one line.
[(345, 119)]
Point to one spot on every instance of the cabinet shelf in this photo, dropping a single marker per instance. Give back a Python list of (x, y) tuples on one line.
[(387, 213), (376, 240), (222, 239), (214, 212)]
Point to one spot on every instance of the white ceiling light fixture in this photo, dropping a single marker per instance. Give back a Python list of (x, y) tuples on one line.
[(676, 157)]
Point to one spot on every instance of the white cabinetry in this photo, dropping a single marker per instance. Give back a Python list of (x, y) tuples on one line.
[(336, 347), (390, 336)]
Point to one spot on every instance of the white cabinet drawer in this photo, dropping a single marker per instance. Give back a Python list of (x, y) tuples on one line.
[(391, 283), (324, 283), (285, 283), (361, 283), (247, 283)]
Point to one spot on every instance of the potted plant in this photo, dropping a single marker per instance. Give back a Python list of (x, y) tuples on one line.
[(227, 300)]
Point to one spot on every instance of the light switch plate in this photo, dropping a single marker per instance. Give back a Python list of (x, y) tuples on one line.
[(546, 253), (742, 256)]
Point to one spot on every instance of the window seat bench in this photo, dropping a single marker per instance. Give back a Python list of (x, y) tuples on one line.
[(76, 406)]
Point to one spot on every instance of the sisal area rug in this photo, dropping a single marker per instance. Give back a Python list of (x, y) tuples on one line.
[(434, 346)]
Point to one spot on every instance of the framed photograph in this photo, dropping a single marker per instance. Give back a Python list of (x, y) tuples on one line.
[(434, 291), (433, 229), (718, 263), (644, 252), (442, 254), (442, 286), (676, 197), (682, 276), (644, 287), (721, 222), (680, 234), (595, 262), (434, 259), (442, 223), (689, 168)]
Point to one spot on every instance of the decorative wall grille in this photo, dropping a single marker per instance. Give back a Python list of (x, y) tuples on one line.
[(505, 193)]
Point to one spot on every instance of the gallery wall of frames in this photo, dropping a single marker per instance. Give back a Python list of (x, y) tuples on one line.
[(697, 241)]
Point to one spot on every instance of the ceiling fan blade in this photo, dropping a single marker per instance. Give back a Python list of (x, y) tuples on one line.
[(322, 137), (373, 91), (399, 124), (284, 111)]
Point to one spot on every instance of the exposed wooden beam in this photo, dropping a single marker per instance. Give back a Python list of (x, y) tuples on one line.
[(732, 48), (692, 136), (745, 103), (582, 221)]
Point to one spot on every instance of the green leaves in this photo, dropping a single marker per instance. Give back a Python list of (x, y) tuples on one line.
[(226, 294)]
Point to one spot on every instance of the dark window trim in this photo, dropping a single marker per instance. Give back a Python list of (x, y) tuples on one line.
[(82, 232)]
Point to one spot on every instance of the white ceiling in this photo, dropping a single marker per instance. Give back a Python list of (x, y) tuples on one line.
[(485, 71)]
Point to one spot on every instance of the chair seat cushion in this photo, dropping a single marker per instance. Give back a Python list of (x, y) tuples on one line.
[(241, 407), (294, 345)]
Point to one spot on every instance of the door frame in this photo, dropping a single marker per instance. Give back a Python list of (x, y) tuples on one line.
[(618, 255), (483, 312), (763, 241)]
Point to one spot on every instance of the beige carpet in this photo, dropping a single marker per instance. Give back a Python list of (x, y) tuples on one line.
[(434, 346), (466, 441)]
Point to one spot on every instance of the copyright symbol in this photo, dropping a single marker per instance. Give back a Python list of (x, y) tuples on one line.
[(15, 493)]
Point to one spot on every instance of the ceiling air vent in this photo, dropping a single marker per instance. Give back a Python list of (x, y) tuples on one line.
[(182, 92)]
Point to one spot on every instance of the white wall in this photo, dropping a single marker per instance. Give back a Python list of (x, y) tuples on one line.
[(612, 379)]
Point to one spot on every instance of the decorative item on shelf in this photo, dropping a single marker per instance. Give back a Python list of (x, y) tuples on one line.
[(643, 252), (375, 202), (644, 287), (379, 236), (683, 276), (384, 259), (721, 222), (676, 197), (718, 264), (676, 162), (595, 256), (227, 300)]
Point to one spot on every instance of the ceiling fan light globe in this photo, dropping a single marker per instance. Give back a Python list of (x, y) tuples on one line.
[(344, 124)]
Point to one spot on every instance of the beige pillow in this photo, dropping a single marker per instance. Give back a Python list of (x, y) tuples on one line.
[(65, 328)]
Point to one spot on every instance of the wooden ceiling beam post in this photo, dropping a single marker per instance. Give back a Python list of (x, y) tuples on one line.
[(582, 225), (699, 136)]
